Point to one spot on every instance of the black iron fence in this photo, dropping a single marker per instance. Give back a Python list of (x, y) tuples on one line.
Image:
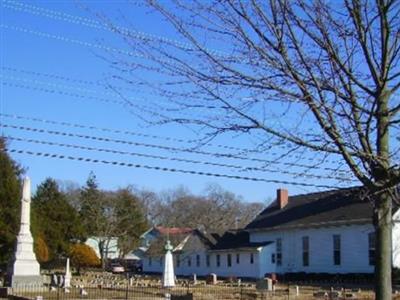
[(199, 292)]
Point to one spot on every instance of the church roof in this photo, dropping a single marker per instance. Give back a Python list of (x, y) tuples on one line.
[(336, 207)]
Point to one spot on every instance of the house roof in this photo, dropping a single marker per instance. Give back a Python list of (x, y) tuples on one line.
[(343, 206), (157, 246), (182, 239), (237, 240), (173, 230)]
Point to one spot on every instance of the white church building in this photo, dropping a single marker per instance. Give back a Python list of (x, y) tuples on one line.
[(324, 232)]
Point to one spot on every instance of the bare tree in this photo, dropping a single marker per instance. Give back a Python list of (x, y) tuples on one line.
[(319, 76), (214, 212), (151, 205)]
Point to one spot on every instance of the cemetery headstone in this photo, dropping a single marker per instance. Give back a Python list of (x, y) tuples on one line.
[(211, 278)]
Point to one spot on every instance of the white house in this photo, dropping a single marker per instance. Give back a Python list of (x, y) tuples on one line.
[(324, 232), (109, 246), (190, 248)]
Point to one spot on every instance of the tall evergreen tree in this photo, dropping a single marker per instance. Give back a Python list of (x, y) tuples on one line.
[(10, 193), (91, 206), (57, 221), (131, 221)]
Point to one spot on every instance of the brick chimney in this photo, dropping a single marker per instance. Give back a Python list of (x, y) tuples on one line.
[(282, 197)]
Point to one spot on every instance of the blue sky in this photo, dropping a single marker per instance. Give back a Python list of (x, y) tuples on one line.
[(53, 69)]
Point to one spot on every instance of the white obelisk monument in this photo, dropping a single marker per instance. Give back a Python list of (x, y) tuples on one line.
[(67, 276), (25, 269), (168, 279)]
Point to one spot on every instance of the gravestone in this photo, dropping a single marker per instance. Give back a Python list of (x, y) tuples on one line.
[(60, 280), (53, 281), (83, 292), (211, 278), (265, 284)]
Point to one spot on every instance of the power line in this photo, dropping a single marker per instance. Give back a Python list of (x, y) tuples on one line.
[(55, 85), (231, 166), (129, 103), (54, 76), (168, 148), (150, 110), (61, 16), (68, 79), (55, 88), (75, 80), (74, 125), (69, 40), (132, 103), (43, 34), (124, 103), (53, 91), (133, 133), (164, 169), (80, 42)]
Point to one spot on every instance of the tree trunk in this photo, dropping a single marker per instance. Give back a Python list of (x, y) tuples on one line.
[(383, 264), (101, 244)]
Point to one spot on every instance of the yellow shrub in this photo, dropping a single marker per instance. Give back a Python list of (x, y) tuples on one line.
[(83, 256), (41, 250)]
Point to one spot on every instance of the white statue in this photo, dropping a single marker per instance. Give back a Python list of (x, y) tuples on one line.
[(168, 279)]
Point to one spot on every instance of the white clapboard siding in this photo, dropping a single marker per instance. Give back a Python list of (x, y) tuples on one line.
[(240, 270), (396, 239), (354, 249)]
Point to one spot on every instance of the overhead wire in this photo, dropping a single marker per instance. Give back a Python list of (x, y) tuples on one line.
[(83, 21), (231, 166), (55, 87), (52, 76), (134, 133), (75, 125), (123, 103), (126, 102), (55, 91), (163, 147), (151, 111), (143, 107), (70, 40), (67, 79), (158, 168)]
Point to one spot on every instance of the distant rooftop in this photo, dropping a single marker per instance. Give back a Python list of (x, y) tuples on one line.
[(173, 230)]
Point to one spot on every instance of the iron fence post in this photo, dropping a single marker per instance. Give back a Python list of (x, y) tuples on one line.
[(127, 286)]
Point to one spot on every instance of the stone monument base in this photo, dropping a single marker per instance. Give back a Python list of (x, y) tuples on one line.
[(19, 281)]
